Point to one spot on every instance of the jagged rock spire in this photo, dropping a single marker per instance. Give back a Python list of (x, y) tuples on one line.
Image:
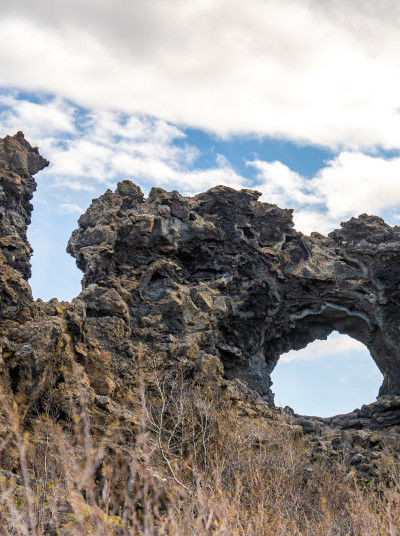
[(18, 162)]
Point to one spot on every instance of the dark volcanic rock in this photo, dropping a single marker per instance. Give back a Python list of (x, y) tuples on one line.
[(18, 162), (220, 283), (231, 275)]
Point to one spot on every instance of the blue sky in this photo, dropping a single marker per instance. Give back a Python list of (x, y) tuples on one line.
[(299, 99), (327, 377)]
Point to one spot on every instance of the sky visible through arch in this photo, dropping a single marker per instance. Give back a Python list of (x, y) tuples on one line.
[(327, 377), (299, 99)]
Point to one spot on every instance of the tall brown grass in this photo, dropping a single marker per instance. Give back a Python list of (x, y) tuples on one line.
[(196, 464)]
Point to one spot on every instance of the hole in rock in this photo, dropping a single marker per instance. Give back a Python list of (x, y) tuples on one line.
[(327, 377)]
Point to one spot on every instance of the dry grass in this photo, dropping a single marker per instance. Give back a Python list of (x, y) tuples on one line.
[(198, 466)]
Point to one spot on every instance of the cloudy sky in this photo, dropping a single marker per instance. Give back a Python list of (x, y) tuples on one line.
[(299, 99)]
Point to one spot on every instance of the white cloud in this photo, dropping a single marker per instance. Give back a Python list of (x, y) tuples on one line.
[(334, 345), (353, 183), (308, 221), (350, 184), (317, 72), (91, 148), (70, 208), (145, 151), (40, 120), (281, 185)]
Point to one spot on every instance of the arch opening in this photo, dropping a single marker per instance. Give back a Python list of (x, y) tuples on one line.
[(326, 377)]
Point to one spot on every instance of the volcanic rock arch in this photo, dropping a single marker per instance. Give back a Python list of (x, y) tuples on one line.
[(219, 275), (318, 325), (230, 273)]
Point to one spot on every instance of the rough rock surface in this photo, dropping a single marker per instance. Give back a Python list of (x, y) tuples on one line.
[(231, 273), (218, 282), (18, 162)]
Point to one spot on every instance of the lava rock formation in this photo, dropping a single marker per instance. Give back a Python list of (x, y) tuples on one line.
[(219, 281), (231, 274)]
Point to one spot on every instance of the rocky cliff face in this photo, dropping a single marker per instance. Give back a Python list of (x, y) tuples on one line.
[(219, 283)]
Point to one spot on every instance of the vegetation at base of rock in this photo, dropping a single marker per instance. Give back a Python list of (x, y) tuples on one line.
[(199, 463)]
